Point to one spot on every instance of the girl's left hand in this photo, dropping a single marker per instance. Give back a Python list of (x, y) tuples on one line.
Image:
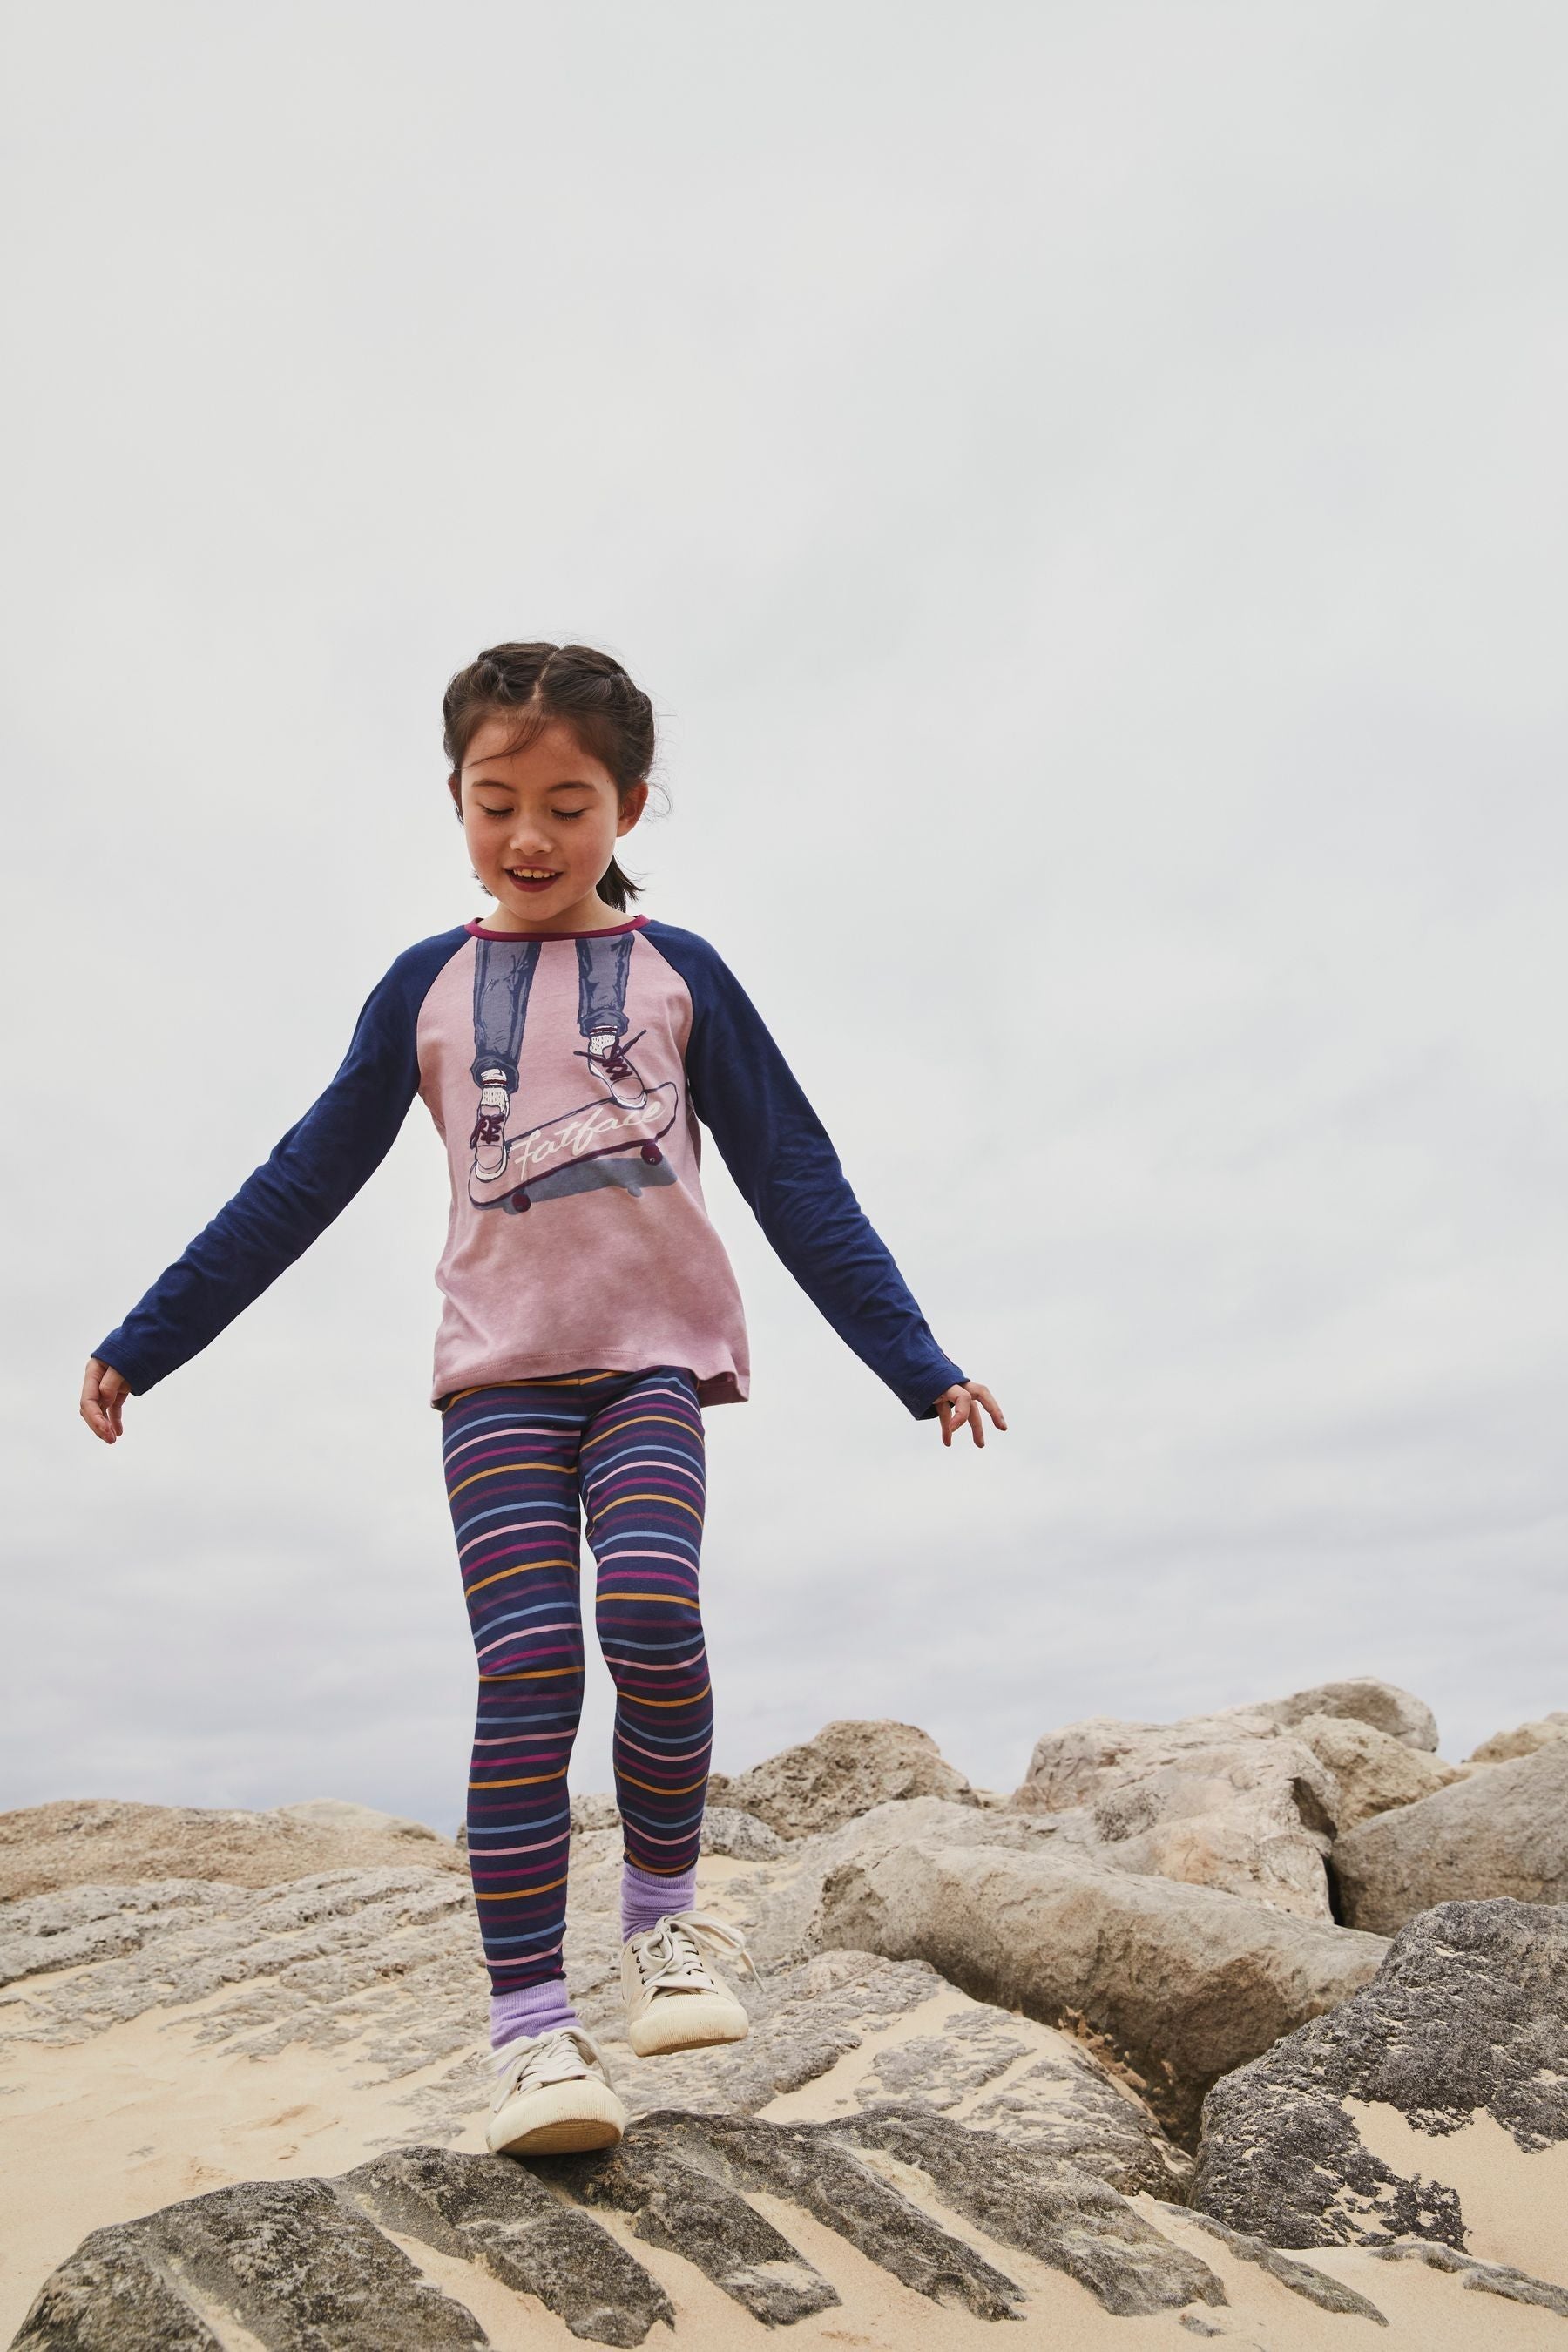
[(962, 1403)]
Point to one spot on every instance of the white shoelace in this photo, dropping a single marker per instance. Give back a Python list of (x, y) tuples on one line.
[(558, 2056), (670, 1955)]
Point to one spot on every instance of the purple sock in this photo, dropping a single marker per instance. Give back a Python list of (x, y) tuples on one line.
[(535, 2009), (645, 1899)]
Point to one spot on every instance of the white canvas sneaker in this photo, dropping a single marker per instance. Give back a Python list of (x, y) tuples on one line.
[(674, 2000), (553, 2096)]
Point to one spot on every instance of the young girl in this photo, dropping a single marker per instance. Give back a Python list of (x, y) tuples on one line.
[(566, 1053)]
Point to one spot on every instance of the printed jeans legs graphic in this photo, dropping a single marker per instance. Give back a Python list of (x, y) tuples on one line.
[(519, 1458), (503, 974), (602, 966)]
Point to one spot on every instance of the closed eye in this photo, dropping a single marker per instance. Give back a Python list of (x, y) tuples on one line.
[(564, 815)]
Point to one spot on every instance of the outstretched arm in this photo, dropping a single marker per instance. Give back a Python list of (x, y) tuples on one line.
[(311, 1175), (784, 1165)]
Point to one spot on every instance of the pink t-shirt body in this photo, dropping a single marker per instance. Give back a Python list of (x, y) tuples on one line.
[(614, 1262)]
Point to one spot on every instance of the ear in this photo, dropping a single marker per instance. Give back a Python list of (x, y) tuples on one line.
[(455, 786), (632, 807)]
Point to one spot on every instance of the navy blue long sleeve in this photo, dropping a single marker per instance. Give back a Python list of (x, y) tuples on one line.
[(310, 1178), (785, 1168)]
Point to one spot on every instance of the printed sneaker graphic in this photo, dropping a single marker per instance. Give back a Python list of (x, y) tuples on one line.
[(596, 1146), (607, 1057), (488, 1141)]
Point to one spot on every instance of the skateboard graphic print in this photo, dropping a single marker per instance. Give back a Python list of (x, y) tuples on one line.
[(611, 1139)]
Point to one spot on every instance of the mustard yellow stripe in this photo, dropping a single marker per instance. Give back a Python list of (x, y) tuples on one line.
[(673, 1598), (509, 1470), (613, 1502), (530, 1674), (657, 1790), (521, 1893), (526, 1569), (532, 1783), (613, 1428), (672, 1702)]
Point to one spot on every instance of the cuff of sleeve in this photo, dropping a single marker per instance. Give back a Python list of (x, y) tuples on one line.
[(124, 1360), (920, 1395)]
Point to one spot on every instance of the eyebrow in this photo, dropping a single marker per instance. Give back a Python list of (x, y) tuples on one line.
[(504, 784)]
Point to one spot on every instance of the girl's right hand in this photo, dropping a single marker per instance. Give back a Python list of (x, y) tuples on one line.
[(103, 1395)]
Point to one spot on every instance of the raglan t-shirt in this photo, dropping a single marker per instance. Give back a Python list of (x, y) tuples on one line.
[(570, 1076)]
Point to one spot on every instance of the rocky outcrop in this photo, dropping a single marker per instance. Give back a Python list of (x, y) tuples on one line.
[(1373, 1772), (1467, 2014), (1222, 1802), (385, 1964), (1502, 1831), (1503, 2279), (849, 1767), (740, 1836), (98, 1842), (1361, 1699), (1249, 1800), (385, 1960), (502, 2219), (1181, 1984), (286, 2260), (1328, 2293), (979, 2028), (1523, 1741), (306, 2264)]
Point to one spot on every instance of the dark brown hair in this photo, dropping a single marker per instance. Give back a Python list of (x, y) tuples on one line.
[(588, 691)]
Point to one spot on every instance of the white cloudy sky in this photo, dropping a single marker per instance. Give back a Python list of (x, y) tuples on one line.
[(1085, 486)]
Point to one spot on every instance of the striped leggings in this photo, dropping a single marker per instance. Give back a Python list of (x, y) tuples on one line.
[(626, 1448)]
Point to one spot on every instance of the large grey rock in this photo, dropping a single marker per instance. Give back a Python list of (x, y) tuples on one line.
[(1181, 1983), (285, 2260), (1468, 2013), (96, 1842), (1500, 1830), (740, 1836), (1373, 1772), (113, 2295), (494, 2213), (849, 1767), (679, 2205), (1361, 1699), (1523, 1741), (1247, 1800), (1215, 1802), (1044, 2206)]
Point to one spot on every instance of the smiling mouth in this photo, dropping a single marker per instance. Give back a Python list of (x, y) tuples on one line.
[(530, 877)]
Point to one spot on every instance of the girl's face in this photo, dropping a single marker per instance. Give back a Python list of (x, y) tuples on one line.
[(541, 823)]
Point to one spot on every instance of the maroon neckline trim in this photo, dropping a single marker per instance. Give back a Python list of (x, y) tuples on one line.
[(607, 931)]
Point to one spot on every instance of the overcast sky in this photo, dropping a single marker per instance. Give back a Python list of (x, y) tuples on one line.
[(1084, 485)]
